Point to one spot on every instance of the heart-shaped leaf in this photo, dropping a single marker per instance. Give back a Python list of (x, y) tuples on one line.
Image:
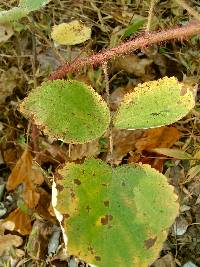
[(155, 103), (114, 217), (67, 110)]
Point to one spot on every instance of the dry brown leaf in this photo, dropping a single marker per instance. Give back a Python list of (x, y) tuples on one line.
[(155, 163), (6, 32), (158, 137), (133, 64), (85, 150), (124, 142), (165, 261), (8, 241), (118, 94), (38, 239), (8, 82), (31, 197), (21, 171), (28, 172), (42, 209), (21, 220)]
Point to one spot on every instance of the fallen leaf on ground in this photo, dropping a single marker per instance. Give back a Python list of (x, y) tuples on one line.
[(27, 172), (123, 142), (21, 171), (8, 241), (158, 137), (165, 261), (133, 64), (180, 226), (42, 209), (6, 32), (174, 153), (80, 151), (31, 197), (37, 245), (8, 82), (118, 94), (21, 220), (154, 138)]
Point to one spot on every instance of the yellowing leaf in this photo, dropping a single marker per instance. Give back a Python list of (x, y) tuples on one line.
[(174, 153), (155, 103), (114, 216), (71, 33), (68, 110)]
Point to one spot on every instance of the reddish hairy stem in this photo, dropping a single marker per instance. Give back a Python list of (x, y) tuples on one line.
[(190, 29)]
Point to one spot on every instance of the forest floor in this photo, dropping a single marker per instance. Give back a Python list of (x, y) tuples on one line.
[(27, 57)]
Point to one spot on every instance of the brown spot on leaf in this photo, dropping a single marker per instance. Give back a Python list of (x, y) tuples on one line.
[(66, 216), (106, 219), (97, 258), (72, 193), (106, 203), (123, 184), (77, 181), (150, 242), (183, 90), (88, 208), (59, 187)]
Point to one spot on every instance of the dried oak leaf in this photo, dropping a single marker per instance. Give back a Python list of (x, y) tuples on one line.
[(27, 172), (79, 151), (154, 138), (158, 137), (124, 142), (21, 221)]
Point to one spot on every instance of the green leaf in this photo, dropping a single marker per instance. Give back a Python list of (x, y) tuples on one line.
[(13, 14), (114, 217), (71, 33), (67, 110), (32, 5), (25, 6), (155, 103), (174, 153), (133, 27)]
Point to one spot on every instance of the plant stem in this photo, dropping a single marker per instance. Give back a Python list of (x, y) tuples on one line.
[(105, 70), (150, 16), (143, 41)]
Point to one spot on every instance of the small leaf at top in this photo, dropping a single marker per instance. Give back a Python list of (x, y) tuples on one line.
[(68, 110), (133, 27), (71, 33), (155, 103), (32, 5), (114, 217)]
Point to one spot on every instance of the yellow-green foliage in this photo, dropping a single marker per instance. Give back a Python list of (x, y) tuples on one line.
[(71, 33), (67, 110), (25, 6), (115, 217), (155, 103)]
